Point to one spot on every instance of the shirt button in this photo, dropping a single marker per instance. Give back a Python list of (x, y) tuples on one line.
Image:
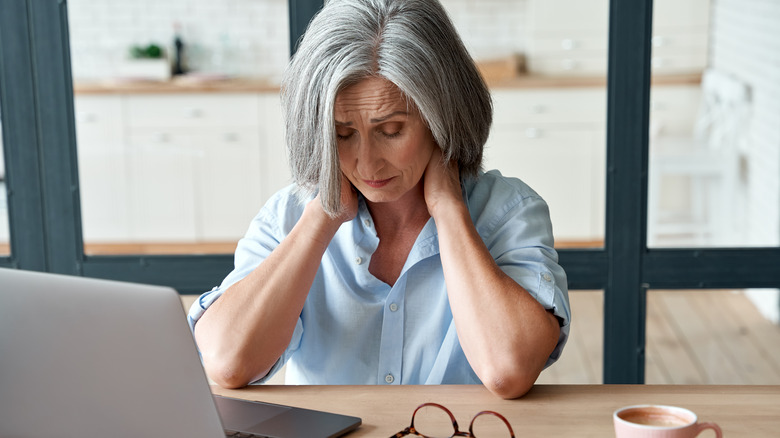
[(393, 307), (358, 260), (367, 222), (546, 276), (389, 378)]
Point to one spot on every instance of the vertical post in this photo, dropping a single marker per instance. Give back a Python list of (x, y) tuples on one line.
[(50, 46), (20, 139), (628, 91), (301, 12), (40, 141)]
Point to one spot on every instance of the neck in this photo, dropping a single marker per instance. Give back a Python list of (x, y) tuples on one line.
[(409, 212)]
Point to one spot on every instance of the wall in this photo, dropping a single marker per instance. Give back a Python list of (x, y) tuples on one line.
[(247, 37), (102, 32), (745, 43)]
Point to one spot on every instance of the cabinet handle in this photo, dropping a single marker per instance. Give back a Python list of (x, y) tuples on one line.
[(194, 113), (658, 62), (83, 117), (230, 137), (533, 132), (660, 41), (657, 106), (162, 137), (538, 109), (569, 44), (568, 64)]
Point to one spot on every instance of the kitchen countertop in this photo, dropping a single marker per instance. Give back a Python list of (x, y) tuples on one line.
[(181, 85), (256, 85)]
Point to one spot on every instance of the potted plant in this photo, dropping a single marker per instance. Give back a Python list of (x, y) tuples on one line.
[(146, 63)]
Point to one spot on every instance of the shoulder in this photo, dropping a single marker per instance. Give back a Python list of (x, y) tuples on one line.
[(491, 190), (283, 209), (495, 201)]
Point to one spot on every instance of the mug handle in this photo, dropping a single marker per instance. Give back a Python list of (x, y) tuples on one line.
[(703, 426)]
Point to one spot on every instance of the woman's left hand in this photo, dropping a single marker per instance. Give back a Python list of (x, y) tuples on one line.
[(442, 183)]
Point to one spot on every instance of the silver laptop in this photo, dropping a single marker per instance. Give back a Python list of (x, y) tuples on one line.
[(94, 358)]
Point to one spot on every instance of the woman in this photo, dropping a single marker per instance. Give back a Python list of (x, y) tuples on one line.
[(393, 259)]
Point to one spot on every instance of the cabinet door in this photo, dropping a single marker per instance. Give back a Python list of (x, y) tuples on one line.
[(230, 183), (673, 110), (274, 150), (568, 17), (557, 165), (195, 110), (103, 170), (163, 186)]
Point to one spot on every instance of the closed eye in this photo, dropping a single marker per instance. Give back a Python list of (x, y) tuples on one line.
[(391, 134), (344, 134), (391, 129)]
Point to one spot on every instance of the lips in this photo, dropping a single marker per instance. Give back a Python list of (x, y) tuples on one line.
[(377, 183)]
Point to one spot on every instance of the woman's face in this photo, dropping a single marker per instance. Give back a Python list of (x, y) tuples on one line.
[(384, 144)]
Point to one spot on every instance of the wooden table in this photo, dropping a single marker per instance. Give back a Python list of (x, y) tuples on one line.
[(546, 411)]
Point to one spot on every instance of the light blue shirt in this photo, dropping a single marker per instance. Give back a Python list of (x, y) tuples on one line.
[(356, 329)]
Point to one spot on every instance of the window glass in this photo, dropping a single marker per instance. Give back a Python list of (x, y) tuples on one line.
[(583, 357), (5, 248), (171, 162), (545, 62), (714, 163), (704, 337)]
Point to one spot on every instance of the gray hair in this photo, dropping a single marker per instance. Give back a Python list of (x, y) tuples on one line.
[(411, 43)]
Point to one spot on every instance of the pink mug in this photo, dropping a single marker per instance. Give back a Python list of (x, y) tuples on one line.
[(656, 421)]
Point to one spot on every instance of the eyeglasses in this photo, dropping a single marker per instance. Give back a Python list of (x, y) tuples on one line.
[(435, 424)]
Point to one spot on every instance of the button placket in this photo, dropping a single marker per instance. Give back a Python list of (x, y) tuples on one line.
[(392, 337)]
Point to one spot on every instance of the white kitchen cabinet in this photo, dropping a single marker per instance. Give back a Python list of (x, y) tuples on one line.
[(197, 165), (230, 178), (275, 163), (103, 168), (554, 140), (569, 38), (163, 190), (673, 109), (192, 110), (190, 167)]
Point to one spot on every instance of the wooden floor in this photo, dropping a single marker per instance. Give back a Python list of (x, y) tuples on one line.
[(692, 337)]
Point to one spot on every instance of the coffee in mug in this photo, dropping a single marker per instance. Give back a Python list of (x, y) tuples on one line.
[(657, 421)]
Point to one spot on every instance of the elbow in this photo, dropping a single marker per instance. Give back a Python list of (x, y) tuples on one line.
[(509, 388), (226, 375), (510, 382)]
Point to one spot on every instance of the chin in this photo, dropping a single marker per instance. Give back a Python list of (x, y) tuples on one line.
[(379, 197)]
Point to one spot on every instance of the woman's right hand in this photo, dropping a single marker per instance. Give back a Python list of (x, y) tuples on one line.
[(330, 224), (349, 200)]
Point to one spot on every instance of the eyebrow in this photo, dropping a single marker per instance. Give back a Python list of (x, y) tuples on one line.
[(378, 119)]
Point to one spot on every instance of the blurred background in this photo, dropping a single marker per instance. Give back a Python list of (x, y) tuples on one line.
[(180, 142)]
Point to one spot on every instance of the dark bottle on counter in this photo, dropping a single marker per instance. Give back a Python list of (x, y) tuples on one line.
[(178, 61)]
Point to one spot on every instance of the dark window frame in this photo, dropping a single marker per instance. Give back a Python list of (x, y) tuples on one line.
[(36, 98)]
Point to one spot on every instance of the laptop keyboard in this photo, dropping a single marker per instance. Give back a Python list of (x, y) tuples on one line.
[(234, 434)]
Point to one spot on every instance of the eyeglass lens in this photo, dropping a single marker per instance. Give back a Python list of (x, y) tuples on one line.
[(435, 421)]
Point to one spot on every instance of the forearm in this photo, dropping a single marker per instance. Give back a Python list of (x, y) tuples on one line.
[(505, 333), (245, 331)]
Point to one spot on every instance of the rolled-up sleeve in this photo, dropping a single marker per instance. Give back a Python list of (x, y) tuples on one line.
[(268, 228), (518, 233), (260, 239)]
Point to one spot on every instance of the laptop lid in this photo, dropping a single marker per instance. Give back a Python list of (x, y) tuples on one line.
[(83, 357)]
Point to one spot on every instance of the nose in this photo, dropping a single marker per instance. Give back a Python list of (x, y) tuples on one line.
[(369, 158)]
